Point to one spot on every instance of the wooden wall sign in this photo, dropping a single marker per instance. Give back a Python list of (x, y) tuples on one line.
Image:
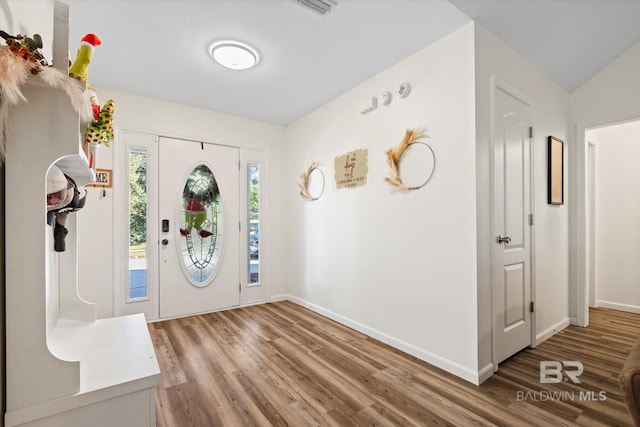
[(351, 169), (104, 179)]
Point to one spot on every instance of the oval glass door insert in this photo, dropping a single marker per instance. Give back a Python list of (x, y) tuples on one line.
[(200, 219)]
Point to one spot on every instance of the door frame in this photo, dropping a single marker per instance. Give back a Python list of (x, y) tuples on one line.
[(254, 293), (250, 294), (121, 303), (592, 237), (496, 84), (580, 259)]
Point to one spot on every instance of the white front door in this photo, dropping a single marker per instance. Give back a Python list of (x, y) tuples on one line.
[(512, 274), (199, 227)]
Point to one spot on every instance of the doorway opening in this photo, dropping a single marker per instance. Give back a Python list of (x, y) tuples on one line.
[(611, 210)]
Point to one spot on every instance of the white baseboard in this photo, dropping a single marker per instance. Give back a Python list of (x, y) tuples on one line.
[(549, 332), (485, 373), (250, 303), (619, 306), (474, 377), (278, 298)]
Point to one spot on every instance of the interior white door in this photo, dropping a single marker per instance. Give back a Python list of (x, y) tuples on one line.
[(512, 275), (199, 227)]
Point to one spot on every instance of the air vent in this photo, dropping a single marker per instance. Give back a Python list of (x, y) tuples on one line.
[(320, 7)]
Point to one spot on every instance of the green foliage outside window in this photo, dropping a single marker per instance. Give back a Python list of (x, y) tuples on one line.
[(254, 189), (137, 197)]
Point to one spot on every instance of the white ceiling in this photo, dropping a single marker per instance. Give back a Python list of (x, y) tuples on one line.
[(159, 48)]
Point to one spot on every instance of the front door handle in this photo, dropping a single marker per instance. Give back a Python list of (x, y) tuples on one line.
[(165, 242), (504, 239)]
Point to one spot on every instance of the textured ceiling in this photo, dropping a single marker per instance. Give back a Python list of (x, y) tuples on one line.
[(159, 48)]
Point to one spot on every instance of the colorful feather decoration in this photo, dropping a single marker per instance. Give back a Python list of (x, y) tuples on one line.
[(20, 59), (14, 72), (72, 87)]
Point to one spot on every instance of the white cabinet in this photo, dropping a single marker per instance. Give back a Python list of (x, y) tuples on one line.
[(63, 367)]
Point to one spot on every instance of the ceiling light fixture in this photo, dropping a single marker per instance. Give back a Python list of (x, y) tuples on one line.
[(234, 54), (321, 7)]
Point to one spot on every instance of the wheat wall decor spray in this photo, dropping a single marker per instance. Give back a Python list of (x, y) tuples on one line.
[(394, 158), (305, 179)]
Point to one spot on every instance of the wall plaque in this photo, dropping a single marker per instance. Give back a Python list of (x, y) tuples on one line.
[(351, 169), (104, 179)]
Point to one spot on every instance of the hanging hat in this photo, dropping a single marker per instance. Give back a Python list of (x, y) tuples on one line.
[(57, 185), (72, 199), (91, 40)]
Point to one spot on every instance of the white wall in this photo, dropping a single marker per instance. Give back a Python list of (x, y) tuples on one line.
[(618, 210), (135, 113), (17, 17), (550, 116), (20, 17), (611, 96), (400, 267)]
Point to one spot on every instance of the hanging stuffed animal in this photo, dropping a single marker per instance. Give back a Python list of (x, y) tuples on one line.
[(79, 68), (101, 130)]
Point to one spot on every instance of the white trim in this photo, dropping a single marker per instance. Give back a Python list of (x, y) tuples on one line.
[(455, 368), (256, 291), (121, 303), (591, 240), (492, 213), (579, 259), (532, 228), (279, 298), (619, 306), (485, 373), (551, 331)]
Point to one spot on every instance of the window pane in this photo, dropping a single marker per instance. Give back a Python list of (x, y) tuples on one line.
[(200, 225), (254, 223), (137, 223)]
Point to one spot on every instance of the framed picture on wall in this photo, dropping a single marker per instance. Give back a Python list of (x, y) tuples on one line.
[(555, 171)]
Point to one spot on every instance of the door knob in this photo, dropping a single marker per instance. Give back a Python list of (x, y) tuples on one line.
[(165, 242), (504, 239)]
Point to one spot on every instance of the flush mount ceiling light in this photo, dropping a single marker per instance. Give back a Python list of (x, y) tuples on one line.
[(234, 54)]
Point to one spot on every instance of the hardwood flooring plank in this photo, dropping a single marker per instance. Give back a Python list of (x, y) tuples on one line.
[(282, 365), (434, 402), (381, 415), (172, 373)]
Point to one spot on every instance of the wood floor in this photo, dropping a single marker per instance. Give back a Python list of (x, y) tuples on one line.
[(282, 365)]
